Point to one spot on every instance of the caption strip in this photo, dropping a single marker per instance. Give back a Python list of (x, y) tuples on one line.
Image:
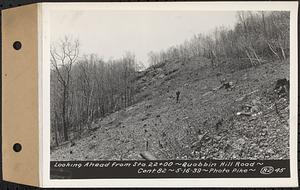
[(169, 169)]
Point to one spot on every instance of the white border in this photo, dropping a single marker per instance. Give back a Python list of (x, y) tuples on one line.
[(44, 83)]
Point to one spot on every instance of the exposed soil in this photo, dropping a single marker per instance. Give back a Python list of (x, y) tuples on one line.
[(249, 120)]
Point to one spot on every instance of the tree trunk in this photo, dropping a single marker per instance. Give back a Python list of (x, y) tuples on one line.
[(249, 57), (273, 51), (64, 115), (56, 129), (89, 109), (257, 58), (282, 52)]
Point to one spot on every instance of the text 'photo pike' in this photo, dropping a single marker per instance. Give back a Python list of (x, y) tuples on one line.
[(169, 85)]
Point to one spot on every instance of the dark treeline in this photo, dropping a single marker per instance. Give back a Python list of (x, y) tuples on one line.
[(89, 88), (256, 37), (85, 89)]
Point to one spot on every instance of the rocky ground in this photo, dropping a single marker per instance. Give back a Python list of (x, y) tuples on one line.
[(249, 120)]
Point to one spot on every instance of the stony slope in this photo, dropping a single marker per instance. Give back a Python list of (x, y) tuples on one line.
[(204, 124)]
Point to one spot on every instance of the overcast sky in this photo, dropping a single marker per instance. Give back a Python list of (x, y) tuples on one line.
[(110, 34)]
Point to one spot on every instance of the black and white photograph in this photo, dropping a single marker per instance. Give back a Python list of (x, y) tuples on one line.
[(151, 94), (186, 94), (169, 85)]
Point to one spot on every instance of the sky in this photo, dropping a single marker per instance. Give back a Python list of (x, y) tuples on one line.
[(109, 34)]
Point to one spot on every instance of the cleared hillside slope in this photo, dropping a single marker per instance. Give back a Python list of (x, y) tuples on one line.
[(208, 122)]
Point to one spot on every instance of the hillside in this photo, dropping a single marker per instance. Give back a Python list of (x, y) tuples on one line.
[(247, 121)]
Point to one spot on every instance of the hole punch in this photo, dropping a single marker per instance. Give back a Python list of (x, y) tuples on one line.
[(17, 147), (17, 45)]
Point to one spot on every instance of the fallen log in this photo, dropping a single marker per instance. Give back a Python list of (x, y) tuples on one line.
[(217, 88), (207, 93), (244, 113), (245, 95), (248, 106), (200, 137), (198, 142), (147, 156)]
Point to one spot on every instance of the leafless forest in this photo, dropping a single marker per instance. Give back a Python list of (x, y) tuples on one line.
[(91, 97)]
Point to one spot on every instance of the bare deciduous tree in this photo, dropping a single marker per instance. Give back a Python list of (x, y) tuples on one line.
[(63, 56)]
